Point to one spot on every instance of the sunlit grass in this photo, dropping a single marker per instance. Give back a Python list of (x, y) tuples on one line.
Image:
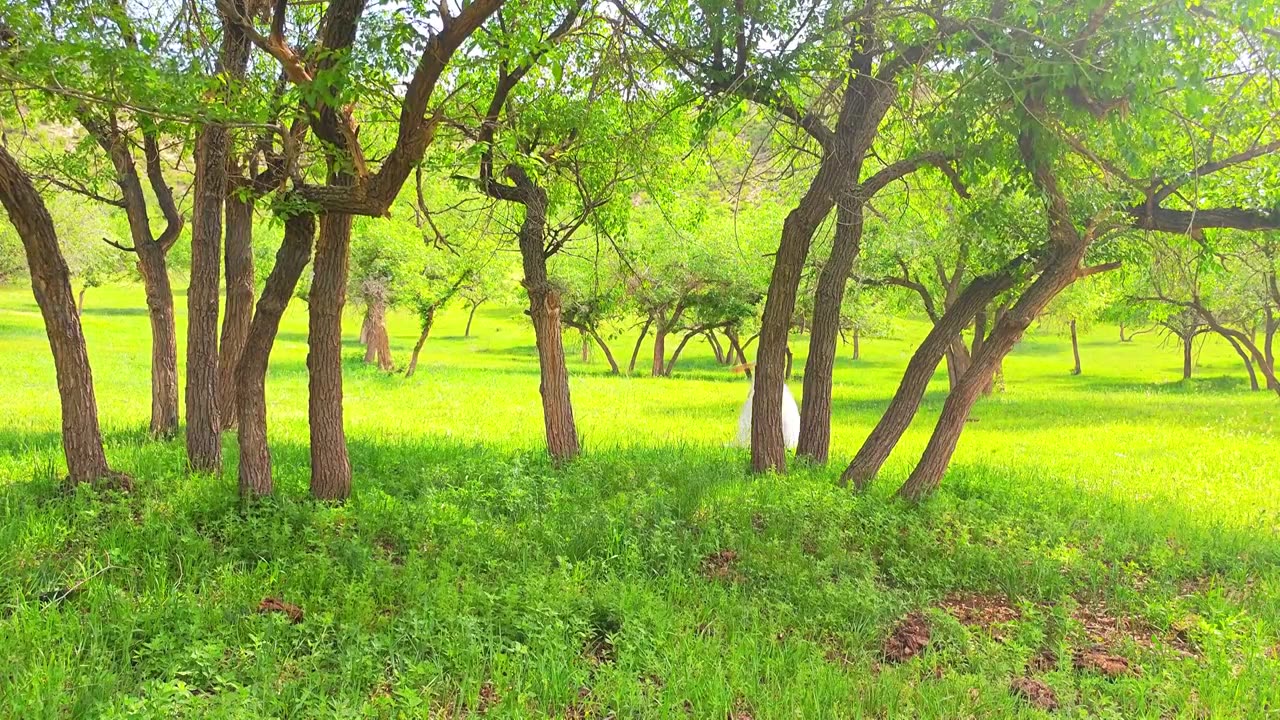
[(465, 567)]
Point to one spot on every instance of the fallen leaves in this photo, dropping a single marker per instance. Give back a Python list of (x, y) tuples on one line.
[(908, 638), (1035, 692)]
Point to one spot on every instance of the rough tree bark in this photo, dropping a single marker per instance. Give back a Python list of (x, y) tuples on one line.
[(251, 376), (330, 464), (815, 413), (50, 281), (544, 310), (915, 380), (238, 257), (204, 438), (377, 340)]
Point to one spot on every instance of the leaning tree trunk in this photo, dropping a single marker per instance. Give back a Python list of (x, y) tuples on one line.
[(204, 442), (1248, 364), (544, 310), (330, 464), (50, 281), (1075, 348), (768, 449), (915, 380), (1060, 272), (238, 255), (251, 376), (635, 353), (608, 354), (815, 413), (427, 322), (675, 356), (164, 339), (471, 316), (716, 348), (980, 336)]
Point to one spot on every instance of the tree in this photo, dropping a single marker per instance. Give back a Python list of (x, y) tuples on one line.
[(81, 435), (1076, 309)]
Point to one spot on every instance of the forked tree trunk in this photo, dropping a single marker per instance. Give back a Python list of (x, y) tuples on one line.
[(204, 441), (428, 321), (330, 464), (544, 310), (164, 339), (815, 412), (1186, 356), (50, 281), (635, 353), (1122, 336), (716, 348), (915, 380), (238, 255), (1075, 348), (471, 316), (251, 377), (1059, 273)]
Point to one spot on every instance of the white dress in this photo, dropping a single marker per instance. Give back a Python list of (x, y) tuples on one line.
[(790, 419)]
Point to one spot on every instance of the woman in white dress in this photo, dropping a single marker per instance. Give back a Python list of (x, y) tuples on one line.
[(790, 415)]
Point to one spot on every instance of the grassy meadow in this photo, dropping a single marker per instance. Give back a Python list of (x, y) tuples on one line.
[(1122, 512)]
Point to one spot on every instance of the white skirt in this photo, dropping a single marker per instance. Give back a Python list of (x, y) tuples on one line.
[(790, 419)]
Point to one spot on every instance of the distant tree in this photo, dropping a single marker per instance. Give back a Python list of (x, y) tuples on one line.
[(1076, 309)]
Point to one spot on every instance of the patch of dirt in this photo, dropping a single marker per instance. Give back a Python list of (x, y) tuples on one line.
[(981, 610), (1103, 627), (757, 522), (907, 639), (1034, 692), (276, 605), (741, 711), (722, 565), (1099, 660)]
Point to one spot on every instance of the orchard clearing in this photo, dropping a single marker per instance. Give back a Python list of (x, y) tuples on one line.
[(1106, 545)]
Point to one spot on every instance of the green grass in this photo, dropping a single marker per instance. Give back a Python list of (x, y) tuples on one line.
[(467, 575)]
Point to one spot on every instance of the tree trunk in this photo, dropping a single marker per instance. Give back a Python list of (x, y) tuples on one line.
[(635, 353), (586, 346), (164, 339), (857, 349), (957, 361), (815, 413), (428, 321), (716, 348), (1186, 355), (251, 376), (204, 442), (659, 351), (330, 464), (768, 448), (239, 309), (80, 301), (51, 284), (735, 348), (608, 354), (1059, 273), (675, 356), (790, 362), (367, 334), (915, 380), (979, 337), (1248, 364), (471, 316), (204, 437), (1122, 336), (1268, 343), (1075, 348), (544, 310)]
